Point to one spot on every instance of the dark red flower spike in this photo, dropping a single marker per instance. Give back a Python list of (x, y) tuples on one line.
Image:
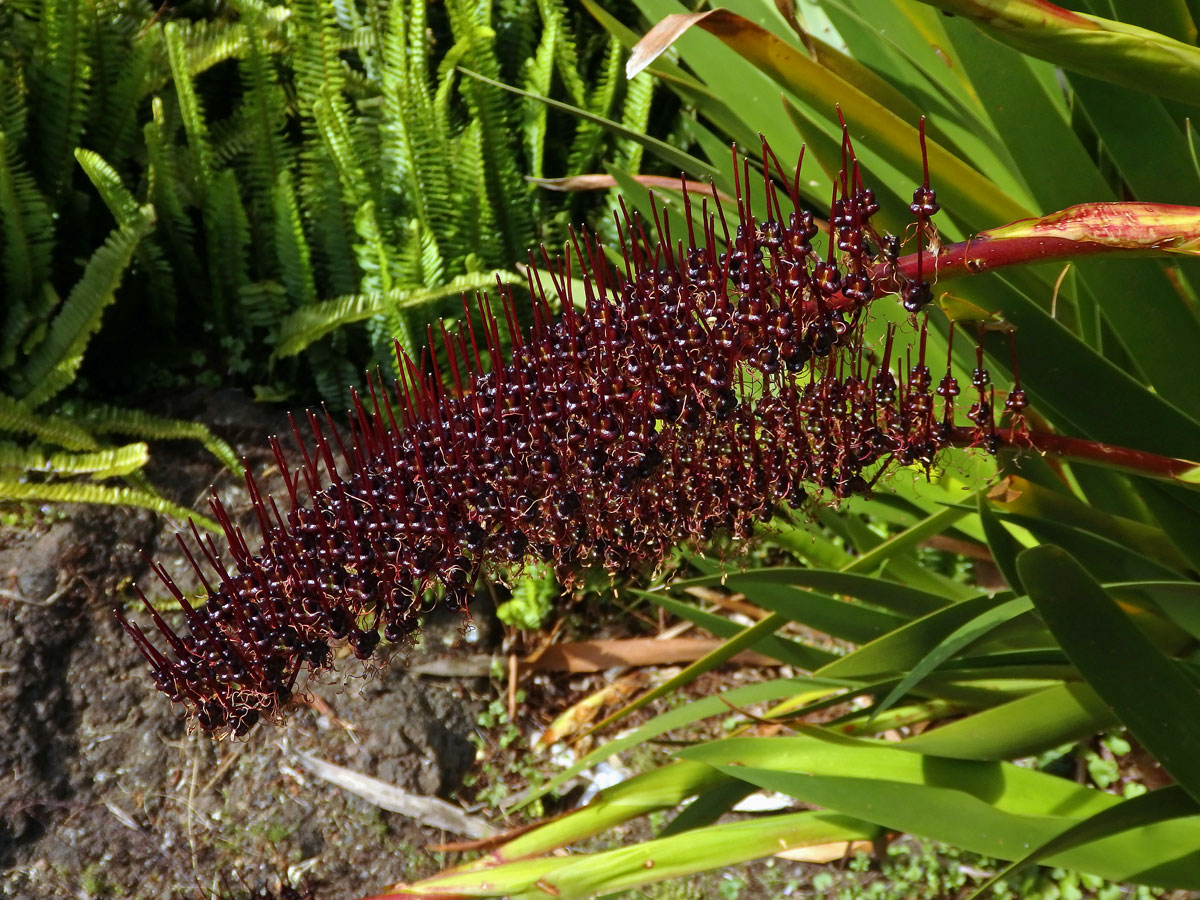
[(697, 387)]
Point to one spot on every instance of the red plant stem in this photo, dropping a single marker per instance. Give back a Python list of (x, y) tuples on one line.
[(975, 255), (1136, 461)]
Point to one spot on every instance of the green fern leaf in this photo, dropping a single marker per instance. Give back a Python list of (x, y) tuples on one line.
[(53, 364), (537, 81), (264, 110), (590, 136), (507, 190), (190, 110), (82, 492), (635, 116), (116, 196), (100, 464), (102, 419), (175, 225), (208, 42), (311, 323), (291, 246), (334, 127), (59, 87), (28, 232), (227, 233), (14, 111), (17, 418), (126, 211), (121, 77), (479, 222), (566, 55)]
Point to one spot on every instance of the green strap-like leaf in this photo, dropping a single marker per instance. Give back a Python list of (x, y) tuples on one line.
[(1102, 48), (1145, 688), (1171, 802)]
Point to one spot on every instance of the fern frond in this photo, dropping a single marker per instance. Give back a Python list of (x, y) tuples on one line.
[(103, 419), (53, 364), (334, 127), (107, 463), (261, 304), (264, 110), (14, 111), (515, 38), (507, 190), (126, 211), (590, 136), (537, 81), (227, 239), (82, 492), (190, 110), (210, 41), (163, 191), (477, 215), (116, 196), (28, 232), (291, 246), (59, 85), (122, 49), (313, 36), (374, 256), (566, 55), (334, 375), (635, 115), (311, 323), (17, 418), (414, 133), (325, 212)]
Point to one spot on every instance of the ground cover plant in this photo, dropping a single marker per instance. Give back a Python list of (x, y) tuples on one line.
[(727, 360)]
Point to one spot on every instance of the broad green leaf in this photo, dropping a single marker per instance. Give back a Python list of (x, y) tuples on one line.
[(965, 189), (1025, 726), (1171, 802), (1102, 48), (1002, 544), (849, 621), (997, 809), (787, 651), (1025, 498), (801, 689), (957, 640), (585, 875), (1118, 660), (904, 648), (896, 598)]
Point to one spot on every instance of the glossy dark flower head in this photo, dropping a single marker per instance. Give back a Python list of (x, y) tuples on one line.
[(720, 372)]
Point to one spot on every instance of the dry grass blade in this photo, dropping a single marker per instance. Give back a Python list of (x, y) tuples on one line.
[(427, 810), (595, 656)]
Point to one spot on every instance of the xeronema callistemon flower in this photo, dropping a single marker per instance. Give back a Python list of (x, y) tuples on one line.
[(702, 384)]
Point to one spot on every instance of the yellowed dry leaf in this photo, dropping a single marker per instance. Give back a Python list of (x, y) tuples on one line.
[(823, 853)]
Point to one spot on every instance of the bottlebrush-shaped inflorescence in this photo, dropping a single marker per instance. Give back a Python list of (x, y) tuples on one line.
[(710, 378)]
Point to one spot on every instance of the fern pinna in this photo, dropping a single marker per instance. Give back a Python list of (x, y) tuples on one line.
[(712, 377)]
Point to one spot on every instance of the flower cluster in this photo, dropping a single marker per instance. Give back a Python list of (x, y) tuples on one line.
[(709, 380)]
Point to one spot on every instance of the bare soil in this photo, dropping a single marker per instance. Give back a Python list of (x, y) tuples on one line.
[(104, 791)]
